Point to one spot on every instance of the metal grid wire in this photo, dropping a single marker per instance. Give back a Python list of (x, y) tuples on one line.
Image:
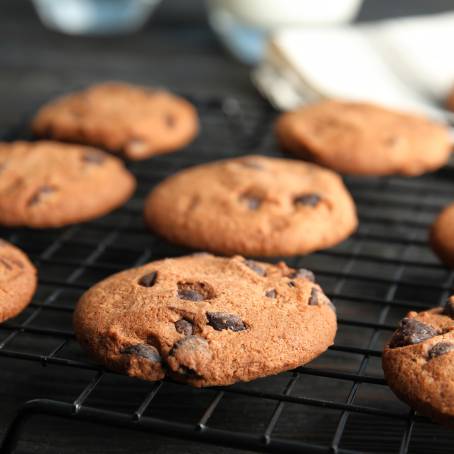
[(339, 403)]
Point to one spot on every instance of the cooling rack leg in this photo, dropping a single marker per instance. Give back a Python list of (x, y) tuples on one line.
[(12, 434), (29, 409)]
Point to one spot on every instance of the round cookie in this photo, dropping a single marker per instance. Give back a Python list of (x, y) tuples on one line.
[(205, 320), (49, 184), (139, 122), (18, 279), (442, 235), (361, 138), (418, 362), (253, 205)]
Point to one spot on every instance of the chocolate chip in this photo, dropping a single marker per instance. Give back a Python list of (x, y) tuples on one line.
[(144, 351), (194, 291), (411, 331), (40, 194), (291, 284), (223, 320), (184, 327), (254, 267), (170, 120), (188, 372), (449, 309), (148, 280), (190, 295), (271, 293), (93, 158), (307, 199), (303, 273), (190, 344), (252, 202), (193, 203), (440, 349), (313, 299)]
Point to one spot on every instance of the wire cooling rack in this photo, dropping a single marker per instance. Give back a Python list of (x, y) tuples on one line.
[(339, 403)]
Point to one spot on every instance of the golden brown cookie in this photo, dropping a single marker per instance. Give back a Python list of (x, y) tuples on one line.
[(253, 205), (205, 320), (49, 184), (418, 362), (442, 235), (360, 138), (139, 122), (18, 280)]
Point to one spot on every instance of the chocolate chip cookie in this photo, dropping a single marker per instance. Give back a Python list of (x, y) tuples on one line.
[(49, 184), (418, 362), (442, 236), (205, 320), (253, 205), (136, 121), (360, 138), (18, 279)]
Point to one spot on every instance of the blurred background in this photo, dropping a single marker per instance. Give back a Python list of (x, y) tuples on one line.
[(163, 42), (189, 46)]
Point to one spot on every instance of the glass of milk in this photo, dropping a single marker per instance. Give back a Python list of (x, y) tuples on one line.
[(94, 17), (243, 25)]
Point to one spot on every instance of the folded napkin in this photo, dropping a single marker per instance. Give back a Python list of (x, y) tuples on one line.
[(402, 63)]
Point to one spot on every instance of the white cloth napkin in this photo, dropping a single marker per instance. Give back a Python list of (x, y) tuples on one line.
[(403, 63)]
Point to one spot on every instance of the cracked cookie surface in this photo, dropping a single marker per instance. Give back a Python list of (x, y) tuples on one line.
[(253, 205), (418, 362), (362, 138), (49, 184), (136, 121), (18, 280), (205, 320)]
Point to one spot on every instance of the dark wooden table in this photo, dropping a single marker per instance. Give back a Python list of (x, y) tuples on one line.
[(176, 49)]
